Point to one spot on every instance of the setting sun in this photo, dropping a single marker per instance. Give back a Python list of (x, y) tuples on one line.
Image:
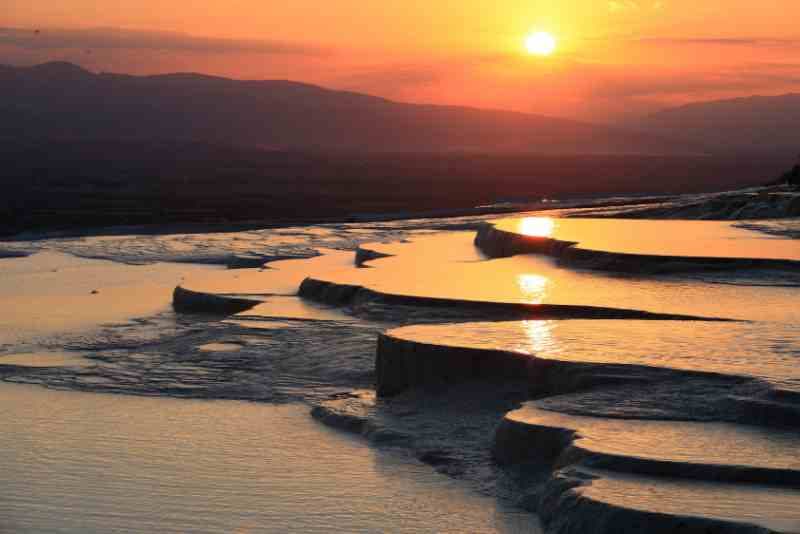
[(540, 44), (537, 226)]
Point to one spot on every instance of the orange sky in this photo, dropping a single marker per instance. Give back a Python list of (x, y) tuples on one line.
[(616, 57)]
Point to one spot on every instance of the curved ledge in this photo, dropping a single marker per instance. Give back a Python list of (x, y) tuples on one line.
[(403, 364), (580, 258), (340, 418), (569, 502), (8, 254), (516, 442), (496, 243), (351, 413), (251, 261), (364, 255), (186, 301), (768, 411), (354, 296), (562, 440), (565, 507)]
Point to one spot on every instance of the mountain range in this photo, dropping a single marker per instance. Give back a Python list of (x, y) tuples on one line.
[(80, 149), (62, 100), (762, 124)]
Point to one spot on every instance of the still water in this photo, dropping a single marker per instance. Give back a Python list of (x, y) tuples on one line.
[(86, 462), (75, 461), (83, 462)]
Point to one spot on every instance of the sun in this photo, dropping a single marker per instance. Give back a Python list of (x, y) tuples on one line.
[(537, 226), (541, 44)]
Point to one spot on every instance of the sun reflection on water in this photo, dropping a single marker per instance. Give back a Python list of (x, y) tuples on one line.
[(534, 287), (539, 336), (537, 226)]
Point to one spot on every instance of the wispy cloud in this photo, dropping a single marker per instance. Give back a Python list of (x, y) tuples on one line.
[(721, 41), (579, 84), (123, 39), (392, 80), (745, 79), (621, 6)]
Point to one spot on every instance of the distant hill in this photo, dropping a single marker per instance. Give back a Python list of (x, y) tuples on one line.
[(763, 124), (64, 101)]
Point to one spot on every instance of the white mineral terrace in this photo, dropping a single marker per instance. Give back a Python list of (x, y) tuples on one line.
[(762, 350), (608, 405), (710, 239)]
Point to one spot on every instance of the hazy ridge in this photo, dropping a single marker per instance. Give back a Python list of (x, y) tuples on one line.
[(765, 124), (81, 150), (62, 100)]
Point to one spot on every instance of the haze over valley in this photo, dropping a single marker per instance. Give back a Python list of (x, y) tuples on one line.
[(189, 148)]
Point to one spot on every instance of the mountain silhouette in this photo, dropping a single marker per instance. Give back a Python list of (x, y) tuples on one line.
[(64, 101), (757, 124)]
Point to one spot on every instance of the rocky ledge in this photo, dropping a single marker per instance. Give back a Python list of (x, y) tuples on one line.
[(614, 435), (362, 300), (364, 255), (187, 301), (497, 243)]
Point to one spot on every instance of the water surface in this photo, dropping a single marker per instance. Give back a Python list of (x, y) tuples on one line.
[(710, 239), (78, 462)]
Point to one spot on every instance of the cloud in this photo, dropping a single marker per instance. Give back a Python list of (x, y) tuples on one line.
[(122, 39), (621, 6), (749, 78), (616, 6), (404, 80), (579, 85), (721, 41), (390, 80)]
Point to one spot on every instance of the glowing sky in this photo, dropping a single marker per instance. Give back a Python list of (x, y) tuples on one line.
[(615, 57)]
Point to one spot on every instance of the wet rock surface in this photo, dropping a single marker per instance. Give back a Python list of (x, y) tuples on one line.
[(364, 255), (187, 301), (495, 242), (598, 421), (769, 202), (360, 300), (566, 508), (683, 434)]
